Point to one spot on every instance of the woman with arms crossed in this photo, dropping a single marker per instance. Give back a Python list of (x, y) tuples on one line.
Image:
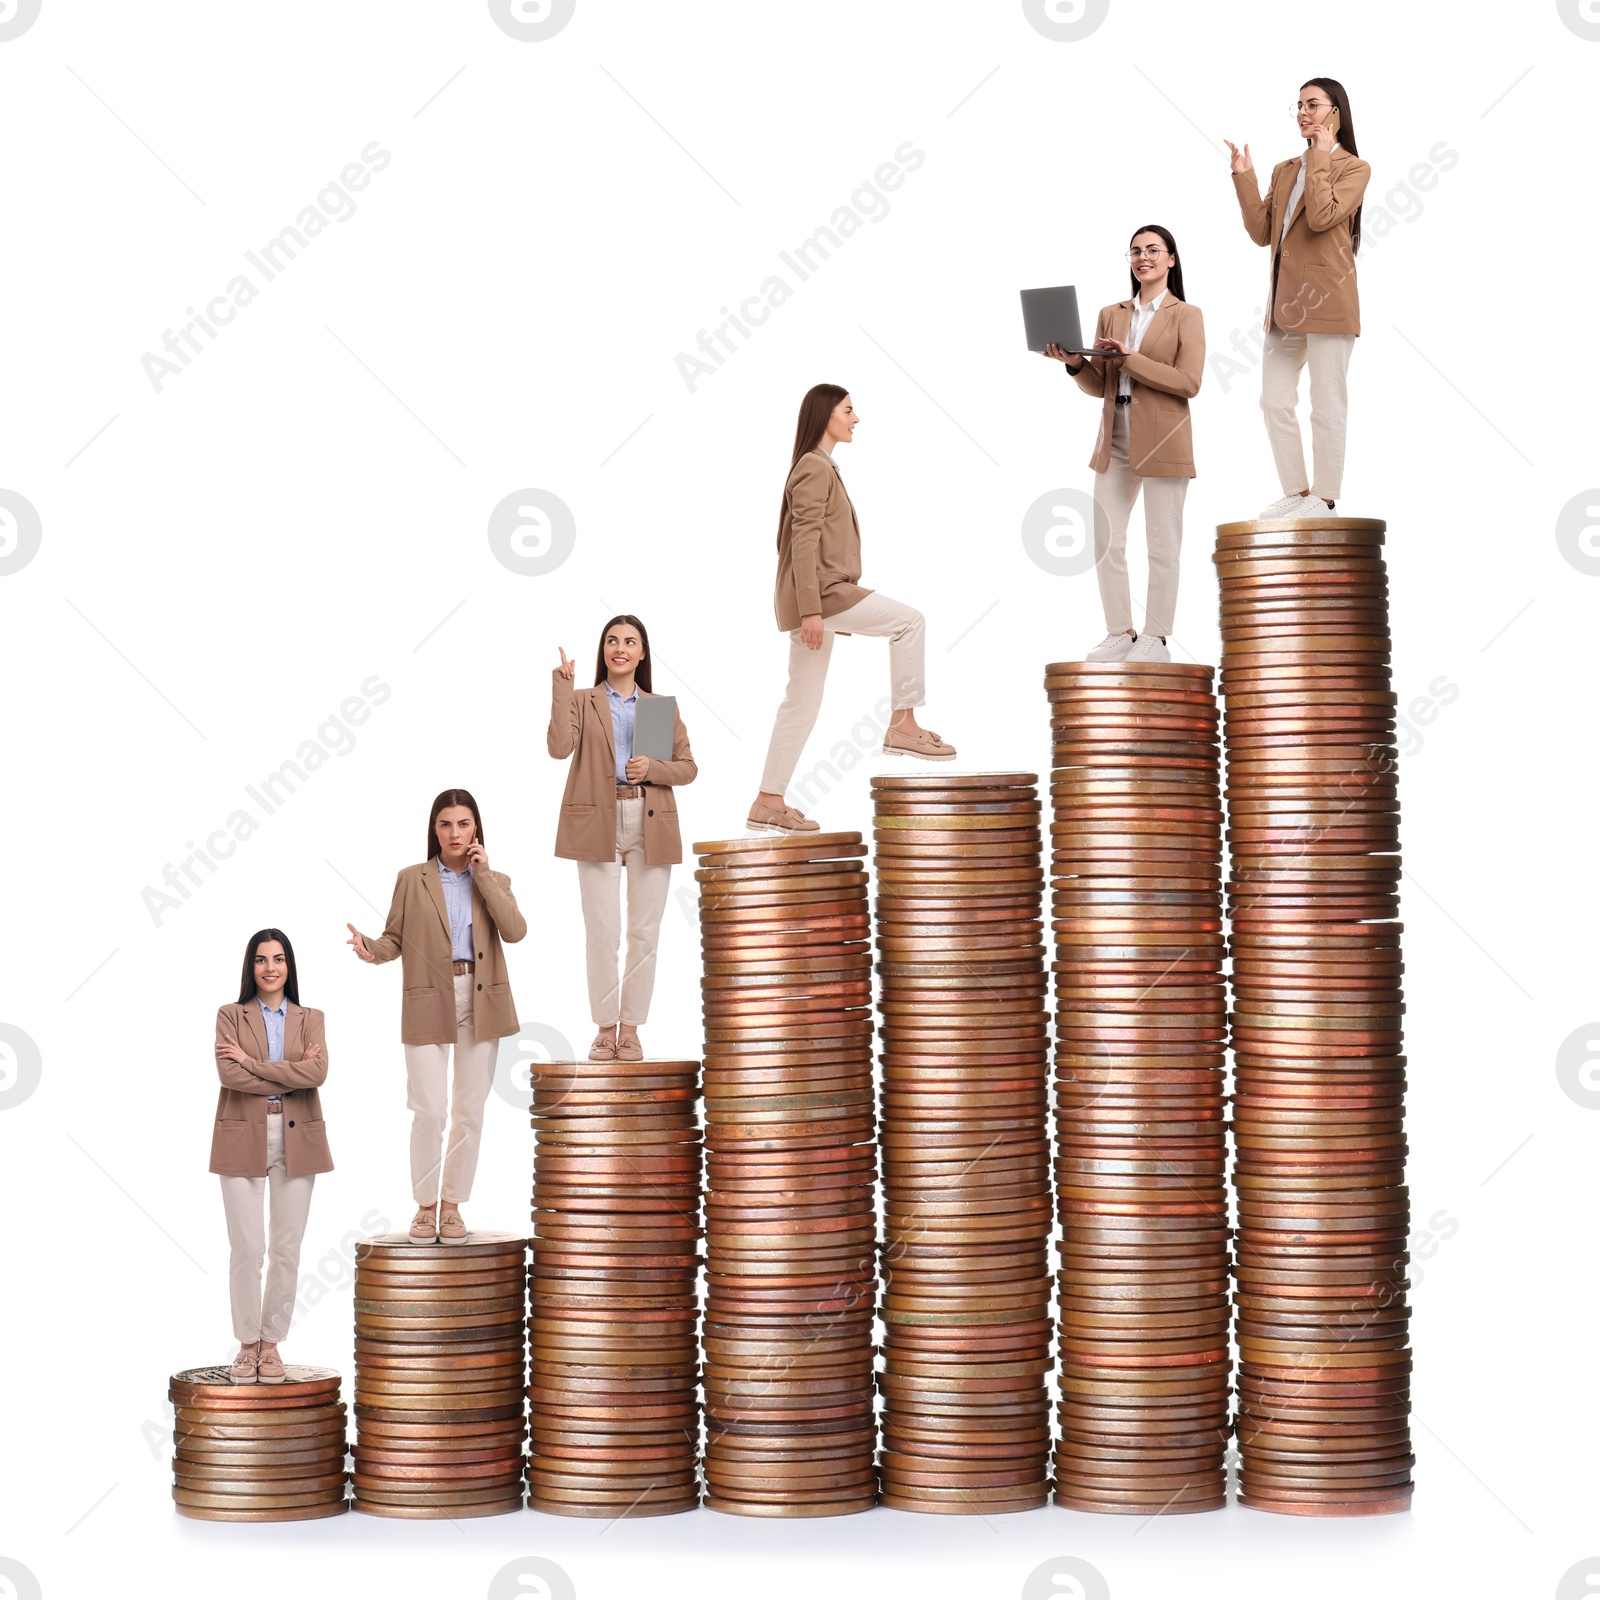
[(618, 816), (1311, 221), (818, 595), (446, 922), (1155, 353), (269, 1135)]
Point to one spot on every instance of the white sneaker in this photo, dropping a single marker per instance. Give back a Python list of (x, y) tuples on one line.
[(1282, 507), (1114, 647), (1149, 647), (1312, 505)]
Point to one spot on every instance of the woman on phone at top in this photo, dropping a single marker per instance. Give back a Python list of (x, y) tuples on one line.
[(1310, 220)]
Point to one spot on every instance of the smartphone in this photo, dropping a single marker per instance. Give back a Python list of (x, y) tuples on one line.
[(1332, 123)]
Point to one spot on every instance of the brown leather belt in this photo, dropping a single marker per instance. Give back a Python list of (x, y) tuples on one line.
[(629, 791), (274, 1108), (460, 967)]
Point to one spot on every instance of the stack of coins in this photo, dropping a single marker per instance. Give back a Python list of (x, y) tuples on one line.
[(258, 1452), (613, 1321), (966, 1180), (1141, 1116), (1325, 1362), (441, 1359), (791, 1235)]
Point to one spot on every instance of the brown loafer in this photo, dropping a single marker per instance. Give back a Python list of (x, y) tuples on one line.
[(452, 1230), (269, 1367), (763, 819), (604, 1047), (425, 1226), (243, 1369), (924, 744), (629, 1050)]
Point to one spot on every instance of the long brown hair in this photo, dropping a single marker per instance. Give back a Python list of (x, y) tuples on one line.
[(815, 410), (1175, 275), (247, 981), (1346, 135), (451, 797), (641, 673)]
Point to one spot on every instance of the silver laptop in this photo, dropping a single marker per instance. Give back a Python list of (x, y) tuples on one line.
[(654, 719), (1050, 316)]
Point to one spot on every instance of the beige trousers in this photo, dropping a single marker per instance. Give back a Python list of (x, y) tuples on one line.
[(1328, 357), (427, 1076), (600, 886), (263, 1312), (875, 615), (1115, 491)]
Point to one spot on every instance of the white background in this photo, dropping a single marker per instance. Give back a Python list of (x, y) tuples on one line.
[(305, 506)]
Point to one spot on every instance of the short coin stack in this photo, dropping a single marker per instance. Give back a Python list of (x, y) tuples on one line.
[(1313, 816), (613, 1320), (258, 1452), (967, 1218), (441, 1357), (790, 1169), (1140, 1026)]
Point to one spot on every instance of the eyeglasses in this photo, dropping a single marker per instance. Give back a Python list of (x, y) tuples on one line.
[(1154, 251), (1311, 105)]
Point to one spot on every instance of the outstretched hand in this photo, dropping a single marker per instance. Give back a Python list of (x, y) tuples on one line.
[(567, 668), (359, 944), (1240, 159)]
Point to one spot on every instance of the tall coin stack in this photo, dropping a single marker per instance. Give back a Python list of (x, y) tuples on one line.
[(1140, 1027), (441, 1357), (258, 1452), (790, 1167), (966, 1178), (613, 1321), (1325, 1361)]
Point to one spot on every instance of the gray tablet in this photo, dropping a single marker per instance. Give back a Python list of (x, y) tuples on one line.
[(653, 722)]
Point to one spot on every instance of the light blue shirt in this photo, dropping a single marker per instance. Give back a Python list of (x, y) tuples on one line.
[(458, 906), (273, 1022), (622, 713)]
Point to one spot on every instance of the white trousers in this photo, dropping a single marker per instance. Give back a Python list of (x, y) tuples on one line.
[(1115, 491), (875, 615), (427, 1076), (1328, 357), (613, 1000), (263, 1311)]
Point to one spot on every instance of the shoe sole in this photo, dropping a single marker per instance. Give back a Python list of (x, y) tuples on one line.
[(453, 1238), (769, 827), (423, 1238), (233, 1379), (916, 755), (263, 1378)]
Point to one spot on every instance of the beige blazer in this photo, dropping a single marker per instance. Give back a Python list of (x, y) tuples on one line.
[(819, 545), (1313, 286), (239, 1138), (1165, 371), (580, 721), (418, 931)]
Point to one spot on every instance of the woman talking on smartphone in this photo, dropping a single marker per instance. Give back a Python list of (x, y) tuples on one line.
[(269, 1140), (1154, 353), (445, 923), (1311, 221), (618, 816)]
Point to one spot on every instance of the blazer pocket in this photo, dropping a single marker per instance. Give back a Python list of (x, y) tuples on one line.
[(230, 1124), (415, 994)]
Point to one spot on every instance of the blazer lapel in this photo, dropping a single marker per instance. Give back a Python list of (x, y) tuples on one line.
[(435, 891), (1280, 198), (257, 1029), (294, 1032), (602, 709)]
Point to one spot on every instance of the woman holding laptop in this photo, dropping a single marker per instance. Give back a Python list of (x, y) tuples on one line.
[(618, 817), (1149, 354)]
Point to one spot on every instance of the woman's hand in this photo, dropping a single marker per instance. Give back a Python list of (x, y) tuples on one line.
[(567, 668), (1113, 349), (1321, 137), (358, 943), (233, 1053), (811, 631), (1240, 159), (477, 856), (637, 769), (1056, 353), (314, 1052)]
